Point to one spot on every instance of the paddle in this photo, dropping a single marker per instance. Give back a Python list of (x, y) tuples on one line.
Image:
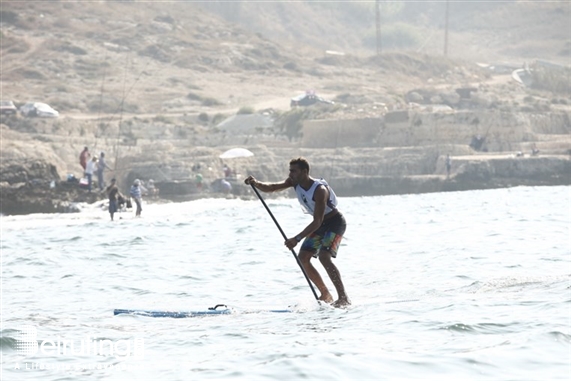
[(285, 237)]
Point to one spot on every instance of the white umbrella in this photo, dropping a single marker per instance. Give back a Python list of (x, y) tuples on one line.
[(235, 153)]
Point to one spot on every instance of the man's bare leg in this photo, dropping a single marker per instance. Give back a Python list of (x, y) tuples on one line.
[(313, 275), (335, 276)]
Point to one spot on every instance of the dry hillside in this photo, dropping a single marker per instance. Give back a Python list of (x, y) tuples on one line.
[(94, 58)]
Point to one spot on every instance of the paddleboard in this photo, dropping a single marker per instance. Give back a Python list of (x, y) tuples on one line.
[(220, 309)]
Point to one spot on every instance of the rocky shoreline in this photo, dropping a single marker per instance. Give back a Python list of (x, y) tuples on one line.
[(489, 173), (43, 192)]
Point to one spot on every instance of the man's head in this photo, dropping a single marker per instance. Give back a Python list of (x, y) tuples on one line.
[(113, 180), (298, 170), (85, 149)]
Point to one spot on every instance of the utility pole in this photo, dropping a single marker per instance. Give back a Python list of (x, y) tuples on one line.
[(378, 19), (446, 28)]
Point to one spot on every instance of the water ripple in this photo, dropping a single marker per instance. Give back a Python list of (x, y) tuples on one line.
[(444, 286)]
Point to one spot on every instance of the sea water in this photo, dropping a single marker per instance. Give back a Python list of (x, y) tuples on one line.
[(468, 285)]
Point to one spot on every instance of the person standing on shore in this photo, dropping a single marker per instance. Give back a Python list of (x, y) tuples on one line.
[(90, 168), (323, 234), (100, 169), (198, 181), (448, 166), (83, 157)]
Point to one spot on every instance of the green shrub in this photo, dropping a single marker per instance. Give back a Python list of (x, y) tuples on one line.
[(62, 104), (246, 110), (218, 118), (203, 117), (342, 97), (291, 66), (8, 17), (56, 127), (71, 49), (162, 119), (110, 105), (183, 134), (194, 96), (290, 123), (211, 102), (31, 74)]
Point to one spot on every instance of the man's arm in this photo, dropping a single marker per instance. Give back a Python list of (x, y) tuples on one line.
[(269, 187)]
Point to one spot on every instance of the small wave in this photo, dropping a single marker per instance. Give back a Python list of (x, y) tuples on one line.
[(484, 328), (511, 284), (136, 291), (6, 340), (72, 239), (115, 255), (137, 240), (252, 263), (189, 277), (560, 336)]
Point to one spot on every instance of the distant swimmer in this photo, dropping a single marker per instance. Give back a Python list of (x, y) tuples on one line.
[(323, 235)]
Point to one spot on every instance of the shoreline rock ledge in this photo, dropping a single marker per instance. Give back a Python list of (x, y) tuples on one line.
[(35, 186)]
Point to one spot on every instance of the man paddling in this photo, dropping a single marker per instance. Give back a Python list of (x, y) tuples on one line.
[(323, 235)]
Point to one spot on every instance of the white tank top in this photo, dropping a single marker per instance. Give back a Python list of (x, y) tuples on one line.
[(307, 202)]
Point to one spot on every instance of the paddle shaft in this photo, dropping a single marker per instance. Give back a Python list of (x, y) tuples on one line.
[(285, 237)]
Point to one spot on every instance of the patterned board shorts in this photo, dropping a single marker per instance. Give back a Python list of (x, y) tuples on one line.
[(112, 206), (327, 237)]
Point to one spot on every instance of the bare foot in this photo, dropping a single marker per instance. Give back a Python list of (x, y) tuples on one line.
[(327, 298), (342, 302)]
